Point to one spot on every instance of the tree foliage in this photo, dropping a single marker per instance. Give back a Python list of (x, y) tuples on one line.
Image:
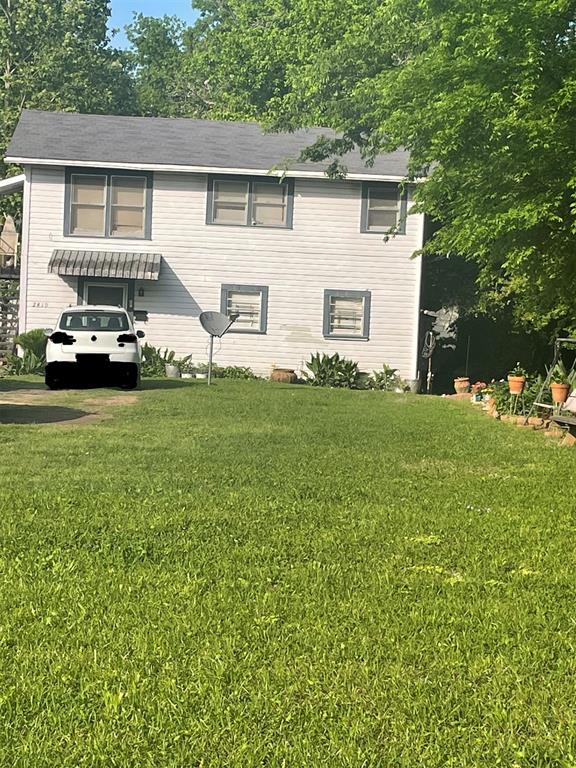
[(158, 57), (55, 55), (482, 94)]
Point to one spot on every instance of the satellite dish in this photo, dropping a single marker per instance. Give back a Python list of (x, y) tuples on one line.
[(215, 324)]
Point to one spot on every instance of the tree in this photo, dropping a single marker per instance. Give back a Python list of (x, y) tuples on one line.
[(55, 55), (482, 94), (158, 58)]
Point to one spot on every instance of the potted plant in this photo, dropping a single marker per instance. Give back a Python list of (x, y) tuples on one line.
[(201, 371), (516, 380), (461, 385), (477, 390), (185, 367), (559, 383)]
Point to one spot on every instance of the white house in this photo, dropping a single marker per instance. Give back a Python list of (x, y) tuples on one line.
[(170, 217)]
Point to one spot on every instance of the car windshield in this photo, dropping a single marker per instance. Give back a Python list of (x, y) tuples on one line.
[(94, 321)]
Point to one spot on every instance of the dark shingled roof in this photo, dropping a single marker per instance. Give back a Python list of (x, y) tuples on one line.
[(108, 140)]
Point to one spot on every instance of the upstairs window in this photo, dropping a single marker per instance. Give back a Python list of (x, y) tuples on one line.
[(249, 303), (383, 208), (250, 202), (346, 314), (128, 206), (108, 205), (88, 205), (230, 203), (269, 204)]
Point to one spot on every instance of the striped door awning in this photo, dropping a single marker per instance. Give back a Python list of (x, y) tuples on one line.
[(127, 266)]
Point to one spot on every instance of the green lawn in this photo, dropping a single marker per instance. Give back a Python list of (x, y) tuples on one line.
[(267, 575)]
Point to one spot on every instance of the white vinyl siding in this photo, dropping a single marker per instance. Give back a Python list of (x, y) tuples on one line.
[(324, 250)]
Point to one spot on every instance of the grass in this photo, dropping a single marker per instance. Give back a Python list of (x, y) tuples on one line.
[(268, 575)]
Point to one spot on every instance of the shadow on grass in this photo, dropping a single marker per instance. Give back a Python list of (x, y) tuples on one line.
[(13, 385), (38, 414), (169, 383)]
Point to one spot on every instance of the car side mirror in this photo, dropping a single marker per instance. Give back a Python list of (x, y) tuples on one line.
[(48, 331), (140, 334)]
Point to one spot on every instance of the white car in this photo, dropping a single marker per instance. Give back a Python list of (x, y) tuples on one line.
[(97, 344)]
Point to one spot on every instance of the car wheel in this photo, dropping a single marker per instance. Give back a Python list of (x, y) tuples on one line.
[(52, 380), (131, 378)]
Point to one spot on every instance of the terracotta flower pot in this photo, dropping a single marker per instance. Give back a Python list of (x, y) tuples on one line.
[(284, 375), (516, 384), (462, 385), (559, 392)]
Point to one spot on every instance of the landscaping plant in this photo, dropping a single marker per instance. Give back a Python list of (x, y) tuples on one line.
[(332, 371), (29, 363), (517, 379), (387, 379), (155, 360), (33, 358), (232, 372), (33, 341), (185, 364), (500, 393), (560, 382)]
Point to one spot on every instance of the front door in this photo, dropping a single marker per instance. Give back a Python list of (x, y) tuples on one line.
[(113, 294)]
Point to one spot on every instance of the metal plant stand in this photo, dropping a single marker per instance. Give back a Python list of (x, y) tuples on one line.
[(517, 405), (558, 344)]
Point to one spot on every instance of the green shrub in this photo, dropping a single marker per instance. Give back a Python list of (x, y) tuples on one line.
[(232, 372), (332, 371), (33, 341), (386, 379), (225, 371), (185, 364), (155, 360), (503, 400), (28, 364)]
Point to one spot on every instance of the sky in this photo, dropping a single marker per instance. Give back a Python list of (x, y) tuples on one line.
[(122, 13)]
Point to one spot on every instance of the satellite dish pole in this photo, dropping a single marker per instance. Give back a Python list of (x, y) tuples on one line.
[(210, 354), (215, 324)]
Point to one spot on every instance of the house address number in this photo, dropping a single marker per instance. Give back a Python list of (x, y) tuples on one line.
[(40, 304)]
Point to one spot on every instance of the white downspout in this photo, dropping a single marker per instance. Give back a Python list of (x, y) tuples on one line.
[(418, 297), (24, 248)]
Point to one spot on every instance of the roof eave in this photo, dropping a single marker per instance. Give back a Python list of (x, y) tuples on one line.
[(198, 169), (12, 184)]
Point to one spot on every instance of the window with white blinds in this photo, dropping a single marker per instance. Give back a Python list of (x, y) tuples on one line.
[(383, 208), (269, 204), (230, 202), (251, 202), (250, 305), (128, 206), (88, 205), (346, 314), (105, 204)]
